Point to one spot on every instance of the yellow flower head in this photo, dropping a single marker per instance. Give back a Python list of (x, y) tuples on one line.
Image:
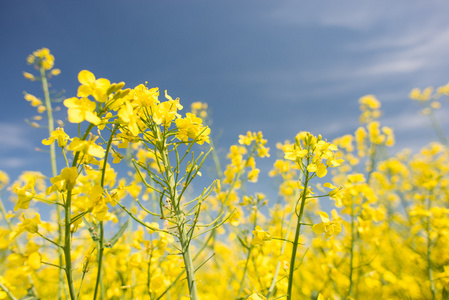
[(42, 58), (91, 86), (25, 194), (81, 109), (34, 101), (57, 135), (86, 147), (191, 127), (65, 181), (260, 236), (326, 226)]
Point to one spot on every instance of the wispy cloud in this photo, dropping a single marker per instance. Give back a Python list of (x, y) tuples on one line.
[(14, 162), (400, 37), (14, 136), (359, 15)]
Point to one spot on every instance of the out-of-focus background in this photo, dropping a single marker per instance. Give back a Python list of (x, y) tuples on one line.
[(276, 66)]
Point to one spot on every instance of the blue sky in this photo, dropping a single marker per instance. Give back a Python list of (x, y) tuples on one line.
[(276, 66)]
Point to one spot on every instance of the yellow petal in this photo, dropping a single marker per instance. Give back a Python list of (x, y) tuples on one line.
[(102, 83), (75, 115), (96, 150), (329, 185), (324, 217), (312, 168), (71, 102), (48, 141), (34, 260), (318, 228), (83, 91), (85, 77), (321, 170), (93, 118)]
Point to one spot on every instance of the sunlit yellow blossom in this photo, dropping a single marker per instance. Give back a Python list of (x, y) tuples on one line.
[(86, 147), (294, 152), (25, 194), (417, 94), (30, 225), (360, 136), (92, 86), (255, 296), (166, 112), (191, 127), (65, 181), (29, 76), (389, 136), (81, 109), (247, 139), (57, 135), (97, 200), (199, 109), (369, 101), (260, 236), (34, 101), (34, 260), (253, 175), (42, 58), (129, 117), (354, 178), (444, 89), (41, 109), (326, 226), (55, 72)]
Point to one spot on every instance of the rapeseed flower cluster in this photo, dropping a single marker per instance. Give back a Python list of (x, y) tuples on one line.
[(90, 230)]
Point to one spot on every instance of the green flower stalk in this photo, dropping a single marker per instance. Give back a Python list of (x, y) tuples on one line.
[(313, 156)]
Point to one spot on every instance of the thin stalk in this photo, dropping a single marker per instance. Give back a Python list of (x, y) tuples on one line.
[(7, 291), (428, 254), (247, 261), (67, 232), (99, 280), (278, 266), (297, 233), (216, 160), (181, 226), (351, 262), (68, 245), (54, 172)]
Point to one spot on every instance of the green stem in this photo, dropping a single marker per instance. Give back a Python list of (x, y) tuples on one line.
[(351, 262), (53, 171), (7, 291), (429, 245), (216, 160), (100, 248), (247, 261), (278, 266), (67, 232), (297, 233), (179, 217), (101, 241), (68, 245)]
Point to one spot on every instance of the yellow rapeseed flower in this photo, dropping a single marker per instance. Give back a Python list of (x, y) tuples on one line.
[(57, 135), (81, 109)]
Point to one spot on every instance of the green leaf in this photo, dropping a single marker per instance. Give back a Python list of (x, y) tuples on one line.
[(115, 238), (29, 296), (93, 230)]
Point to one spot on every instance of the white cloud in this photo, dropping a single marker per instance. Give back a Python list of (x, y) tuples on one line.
[(400, 37), (14, 162), (358, 15), (14, 136)]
